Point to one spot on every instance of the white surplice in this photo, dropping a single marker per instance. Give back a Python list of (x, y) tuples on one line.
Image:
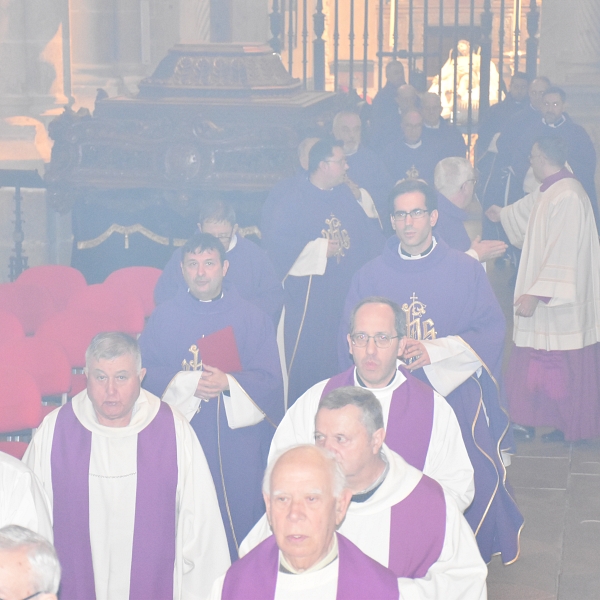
[(22, 498), (458, 574), (447, 460), (201, 553), (560, 261)]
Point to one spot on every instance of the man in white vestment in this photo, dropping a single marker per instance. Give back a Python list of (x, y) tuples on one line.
[(306, 497), (22, 498), (552, 373), (29, 566), (430, 441), (134, 506), (398, 516)]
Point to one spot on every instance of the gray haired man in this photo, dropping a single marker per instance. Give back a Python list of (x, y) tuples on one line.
[(29, 566)]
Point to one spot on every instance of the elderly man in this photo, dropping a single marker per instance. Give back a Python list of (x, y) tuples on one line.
[(446, 136), (250, 269), (23, 500), (231, 388), (455, 180), (28, 565), (365, 168), (420, 424), (133, 500), (456, 337), (398, 516), (317, 237), (551, 376), (413, 155), (306, 497)]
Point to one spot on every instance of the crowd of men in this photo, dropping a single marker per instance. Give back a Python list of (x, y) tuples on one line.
[(325, 416)]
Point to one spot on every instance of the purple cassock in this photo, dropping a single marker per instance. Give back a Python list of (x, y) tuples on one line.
[(176, 325), (295, 213), (153, 552), (447, 293), (250, 270), (359, 576), (450, 225), (418, 162), (366, 169)]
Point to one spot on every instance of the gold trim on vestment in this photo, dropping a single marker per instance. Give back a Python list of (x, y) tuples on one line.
[(127, 231), (498, 449)]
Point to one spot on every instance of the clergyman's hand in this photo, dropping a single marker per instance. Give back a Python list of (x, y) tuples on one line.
[(415, 349), (211, 383), (526, 305), (493, 213), (488, 249)]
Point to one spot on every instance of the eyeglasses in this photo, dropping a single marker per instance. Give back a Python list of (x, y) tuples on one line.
[(417, 213), (341, 161), (382, 340)]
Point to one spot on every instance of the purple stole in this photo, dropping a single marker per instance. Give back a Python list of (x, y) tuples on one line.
[(153, 552), (417, 530), (359, 577), (410, 420)]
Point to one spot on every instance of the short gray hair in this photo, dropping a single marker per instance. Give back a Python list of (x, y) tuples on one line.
[(399, 316), (338, 478), (45, 568), (111, 345), (370, 407), (451, 173)]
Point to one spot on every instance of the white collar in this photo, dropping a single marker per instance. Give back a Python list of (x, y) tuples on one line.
[(414, 146), (418, 256), (232, 243)]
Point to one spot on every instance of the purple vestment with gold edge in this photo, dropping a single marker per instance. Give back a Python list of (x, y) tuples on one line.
[(453, 291)]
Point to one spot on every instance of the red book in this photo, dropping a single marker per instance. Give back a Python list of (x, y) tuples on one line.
[(219, 349)]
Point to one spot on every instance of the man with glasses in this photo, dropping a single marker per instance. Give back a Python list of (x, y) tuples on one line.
[(317, 236), (250, 269), (455, 181), (456, 332), (420, 424)]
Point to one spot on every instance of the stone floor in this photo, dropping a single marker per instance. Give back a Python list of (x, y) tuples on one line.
[(557, 487)]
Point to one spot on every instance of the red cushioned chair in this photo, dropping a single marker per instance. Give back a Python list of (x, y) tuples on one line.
[(127, 310), (31, 304), (20, 408), (137, 281), (74, 331), (10, 328), (60, 281)]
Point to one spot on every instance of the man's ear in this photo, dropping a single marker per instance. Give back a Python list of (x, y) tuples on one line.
[(267, 499), (402, 346), (433, 217), (235, 229), (225, 267), (142, 374), (341, 506), (349, 344), (377, 440)]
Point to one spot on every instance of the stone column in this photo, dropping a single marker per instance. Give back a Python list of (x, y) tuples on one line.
[(570, 57)]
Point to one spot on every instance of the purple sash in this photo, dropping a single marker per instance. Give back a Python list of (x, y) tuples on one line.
[(359, 578), (153, 552), (417, 530), (410, 420)]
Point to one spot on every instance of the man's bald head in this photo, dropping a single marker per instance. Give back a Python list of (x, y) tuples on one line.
[(537, 88), (407, 98), (431, 108), (394, 73), (412, 126)]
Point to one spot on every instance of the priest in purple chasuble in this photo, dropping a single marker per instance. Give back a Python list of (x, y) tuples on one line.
[(234, 414), (135, 513), (420, 425), (399, 517), (250, 269), (317, 236), (552, 375), (456, 337), (306, 497)]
